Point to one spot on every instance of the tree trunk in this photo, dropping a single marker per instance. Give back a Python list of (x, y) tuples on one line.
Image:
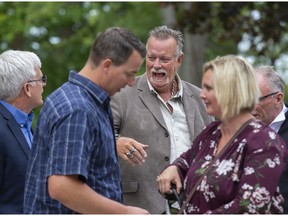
[(194, 47)]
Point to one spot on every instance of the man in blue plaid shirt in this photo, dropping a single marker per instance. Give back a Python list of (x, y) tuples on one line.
[(73, 165)]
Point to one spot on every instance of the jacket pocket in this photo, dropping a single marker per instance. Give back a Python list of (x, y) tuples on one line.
[(130, 186)]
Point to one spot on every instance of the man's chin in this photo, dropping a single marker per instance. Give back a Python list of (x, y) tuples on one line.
[(159, 83)]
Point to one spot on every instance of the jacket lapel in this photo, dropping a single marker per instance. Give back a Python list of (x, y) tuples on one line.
[(283, 131), (15, 130), (150, 100), (189, 108)]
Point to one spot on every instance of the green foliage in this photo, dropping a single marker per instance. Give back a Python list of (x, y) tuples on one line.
[(286, 95), (61, 33)]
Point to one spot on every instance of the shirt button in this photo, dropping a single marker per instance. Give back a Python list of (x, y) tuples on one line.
[(166, 158), (166, 134)]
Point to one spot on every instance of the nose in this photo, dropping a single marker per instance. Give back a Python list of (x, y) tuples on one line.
[(254, 111), (202, 94), (157, 63)]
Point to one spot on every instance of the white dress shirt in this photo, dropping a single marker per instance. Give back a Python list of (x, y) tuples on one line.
[(280, 118)]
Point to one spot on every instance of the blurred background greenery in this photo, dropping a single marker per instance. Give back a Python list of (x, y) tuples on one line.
[(61, 33)]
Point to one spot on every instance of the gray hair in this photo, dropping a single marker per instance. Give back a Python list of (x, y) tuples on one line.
[(164, 33), (16, 68), (275, 81)]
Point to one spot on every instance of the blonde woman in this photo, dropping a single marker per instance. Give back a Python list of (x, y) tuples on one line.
[(234, 165)]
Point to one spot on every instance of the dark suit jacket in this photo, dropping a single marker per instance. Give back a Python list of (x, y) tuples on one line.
[(283, 132), (14, 152)]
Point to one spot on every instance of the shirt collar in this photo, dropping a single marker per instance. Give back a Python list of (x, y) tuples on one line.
[(21, 117), (96, 91), (276, 123), (281, 115)]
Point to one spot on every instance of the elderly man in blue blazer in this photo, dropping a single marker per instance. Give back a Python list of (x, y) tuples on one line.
[(21, 88), (273, 111), (156, 120)]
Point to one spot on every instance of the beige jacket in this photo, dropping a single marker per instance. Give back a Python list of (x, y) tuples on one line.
[(137, 114)]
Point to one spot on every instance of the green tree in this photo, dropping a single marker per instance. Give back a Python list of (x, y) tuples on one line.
[(217, 28), (61, 33)]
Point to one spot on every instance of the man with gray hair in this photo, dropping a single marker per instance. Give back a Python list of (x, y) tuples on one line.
[(21, 87), (156, 120), (272, 110)]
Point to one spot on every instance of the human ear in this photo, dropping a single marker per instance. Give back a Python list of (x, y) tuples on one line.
[(180, 59), (106, 65), (26, 89)]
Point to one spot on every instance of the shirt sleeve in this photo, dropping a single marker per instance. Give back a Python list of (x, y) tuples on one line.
[(70, 145)]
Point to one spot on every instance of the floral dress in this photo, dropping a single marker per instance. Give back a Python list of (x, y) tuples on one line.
[(242, 178)]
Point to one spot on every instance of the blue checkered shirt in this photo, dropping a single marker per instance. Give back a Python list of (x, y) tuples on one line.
[(74, 136)]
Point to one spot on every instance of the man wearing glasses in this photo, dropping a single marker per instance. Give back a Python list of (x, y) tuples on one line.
[(21, 87), (272, 110)]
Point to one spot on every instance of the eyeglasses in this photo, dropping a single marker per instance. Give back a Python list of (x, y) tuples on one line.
[(43, 79), (266, 96)]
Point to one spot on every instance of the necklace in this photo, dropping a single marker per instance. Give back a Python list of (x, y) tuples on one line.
[(174, 83)]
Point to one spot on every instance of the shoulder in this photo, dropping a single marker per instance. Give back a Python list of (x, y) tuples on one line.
[(69, 94), (193, 88), (66, 100), (209, 130), (257, 128), (191, 92), (4, 113), (261, 136), (140, 86), (212, 126), (190, 85)]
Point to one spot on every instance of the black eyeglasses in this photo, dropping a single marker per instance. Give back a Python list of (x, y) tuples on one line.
[(43, 79), (266, 96)]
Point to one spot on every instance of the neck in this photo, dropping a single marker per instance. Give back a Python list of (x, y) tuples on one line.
[(21, 103), (167, 94)]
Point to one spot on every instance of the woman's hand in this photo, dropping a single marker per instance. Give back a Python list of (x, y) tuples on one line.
[(168, 177)]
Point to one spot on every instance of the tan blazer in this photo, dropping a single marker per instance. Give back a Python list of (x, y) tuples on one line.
[(137, 114)]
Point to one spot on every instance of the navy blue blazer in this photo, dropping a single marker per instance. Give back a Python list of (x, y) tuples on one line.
[(14, 152), (283, 132)]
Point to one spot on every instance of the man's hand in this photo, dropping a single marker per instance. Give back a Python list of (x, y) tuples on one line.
[(131, 151)]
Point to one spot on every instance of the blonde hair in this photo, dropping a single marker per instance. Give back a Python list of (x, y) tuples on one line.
[(234, 83)]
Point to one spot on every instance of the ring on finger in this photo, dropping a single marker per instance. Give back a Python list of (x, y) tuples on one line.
[(129, 155), (133, 150)]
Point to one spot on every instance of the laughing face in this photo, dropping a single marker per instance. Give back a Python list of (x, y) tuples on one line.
[(162, 63)]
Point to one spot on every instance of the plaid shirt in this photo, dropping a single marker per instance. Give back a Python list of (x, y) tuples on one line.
[(74, 136)]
